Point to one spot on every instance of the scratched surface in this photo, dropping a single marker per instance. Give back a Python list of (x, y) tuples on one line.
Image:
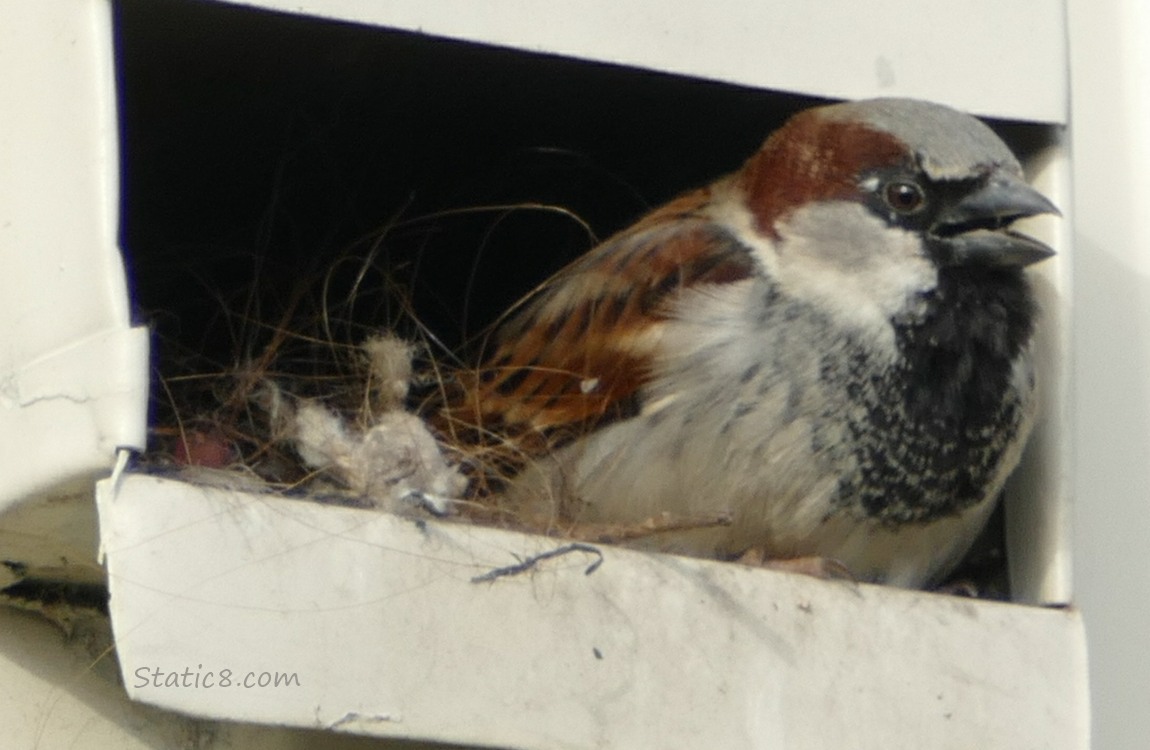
[(396, 627)]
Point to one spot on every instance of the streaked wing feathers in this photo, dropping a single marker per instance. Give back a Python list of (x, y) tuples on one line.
[(575, 353)]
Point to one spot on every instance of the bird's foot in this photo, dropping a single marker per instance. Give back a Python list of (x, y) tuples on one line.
[(963, 587), (823, 568), (663, 524)]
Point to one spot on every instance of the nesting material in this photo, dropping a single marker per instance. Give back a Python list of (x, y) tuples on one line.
[(394, 464), (392, 461), (388, 359)]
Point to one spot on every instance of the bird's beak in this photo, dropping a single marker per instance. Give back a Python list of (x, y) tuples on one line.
[(975, 229)]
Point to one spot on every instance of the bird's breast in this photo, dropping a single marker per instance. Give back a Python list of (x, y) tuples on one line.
[(787, 396)]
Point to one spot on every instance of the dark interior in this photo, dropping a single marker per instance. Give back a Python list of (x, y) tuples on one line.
[(259, 146)]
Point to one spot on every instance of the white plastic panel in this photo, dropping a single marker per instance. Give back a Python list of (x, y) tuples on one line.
[(73, 373), (58, 692), (53, 694), (64, 414), (1110, 140), (1000, 59), (387, 633)]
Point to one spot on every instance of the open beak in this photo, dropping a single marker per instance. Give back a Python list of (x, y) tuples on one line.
[(975, 229)]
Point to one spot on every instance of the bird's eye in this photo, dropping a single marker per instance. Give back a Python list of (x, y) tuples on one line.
[(903, 196)]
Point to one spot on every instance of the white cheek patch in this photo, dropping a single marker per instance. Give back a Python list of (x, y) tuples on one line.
[(846, 261), (729, 211)]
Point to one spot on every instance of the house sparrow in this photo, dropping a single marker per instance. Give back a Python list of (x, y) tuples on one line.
[(829, 347)]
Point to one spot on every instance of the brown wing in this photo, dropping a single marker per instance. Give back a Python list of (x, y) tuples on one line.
[(575, 353)]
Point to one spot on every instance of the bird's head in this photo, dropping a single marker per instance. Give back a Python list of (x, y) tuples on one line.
[(912, 165), (865, 208)]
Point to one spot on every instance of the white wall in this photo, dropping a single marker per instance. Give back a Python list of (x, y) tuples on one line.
[(1110, 119)]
